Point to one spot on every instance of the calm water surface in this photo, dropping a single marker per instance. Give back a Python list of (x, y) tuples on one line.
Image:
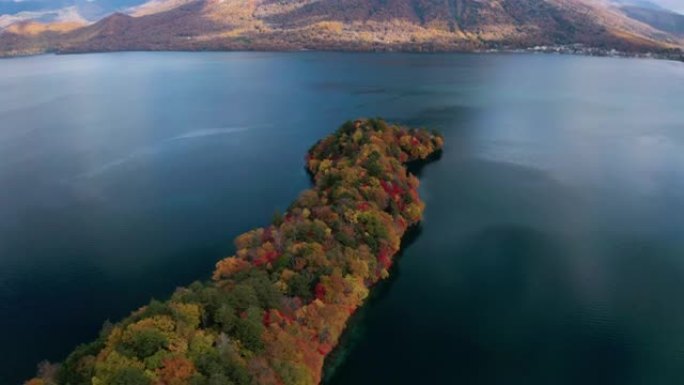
[(552, 250)]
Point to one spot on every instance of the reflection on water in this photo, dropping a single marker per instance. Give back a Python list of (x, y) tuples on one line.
[(551, 251)]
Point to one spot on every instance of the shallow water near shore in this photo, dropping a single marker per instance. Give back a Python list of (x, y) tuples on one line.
[(552, 250)]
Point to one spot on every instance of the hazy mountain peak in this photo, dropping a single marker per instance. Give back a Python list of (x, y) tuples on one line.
[(676, 6), (62, 15), (638, 3)]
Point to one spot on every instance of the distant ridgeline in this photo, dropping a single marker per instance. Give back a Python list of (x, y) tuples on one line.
[(274, 311)]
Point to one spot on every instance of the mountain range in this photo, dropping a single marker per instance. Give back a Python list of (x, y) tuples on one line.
[(411, 25)]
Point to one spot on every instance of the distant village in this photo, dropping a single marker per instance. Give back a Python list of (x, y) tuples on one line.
[(581, 49)]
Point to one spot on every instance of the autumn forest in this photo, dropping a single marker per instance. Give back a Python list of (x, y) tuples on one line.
[(274, 311)]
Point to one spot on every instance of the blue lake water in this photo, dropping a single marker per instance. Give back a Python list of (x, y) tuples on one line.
[(552, 250)]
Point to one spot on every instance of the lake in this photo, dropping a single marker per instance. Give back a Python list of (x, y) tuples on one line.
[(552, 250)]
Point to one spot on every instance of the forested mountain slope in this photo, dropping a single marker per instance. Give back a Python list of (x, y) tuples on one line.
[(432, 25)]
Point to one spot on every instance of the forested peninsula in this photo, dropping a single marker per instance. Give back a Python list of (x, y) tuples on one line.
[(274, 310)]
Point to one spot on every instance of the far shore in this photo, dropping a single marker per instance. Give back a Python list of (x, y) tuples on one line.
[(575, 50)]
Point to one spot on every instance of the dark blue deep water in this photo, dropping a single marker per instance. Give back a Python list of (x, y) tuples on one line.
[(552, 250)]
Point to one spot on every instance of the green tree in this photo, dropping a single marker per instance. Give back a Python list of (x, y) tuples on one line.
[(249, 329), (144, 343), (129, 376)]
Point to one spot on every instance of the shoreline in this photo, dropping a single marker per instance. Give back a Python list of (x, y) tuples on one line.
[(539, 50), (350, 336)]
